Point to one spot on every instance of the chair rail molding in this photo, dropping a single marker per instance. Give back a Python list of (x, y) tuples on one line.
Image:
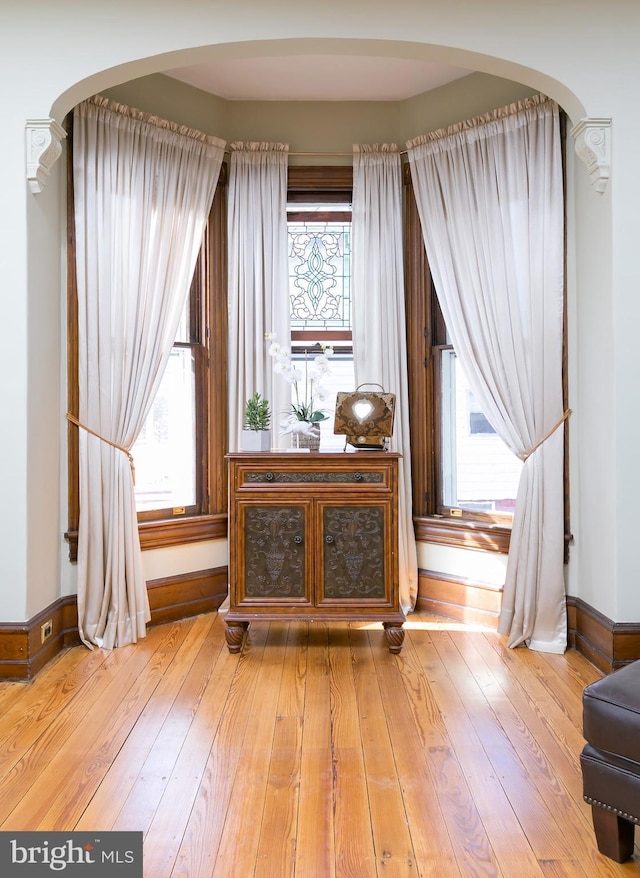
[(593, 146), (44, 147)]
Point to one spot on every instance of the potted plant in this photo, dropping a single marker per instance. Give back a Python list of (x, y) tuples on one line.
[(256, 434)]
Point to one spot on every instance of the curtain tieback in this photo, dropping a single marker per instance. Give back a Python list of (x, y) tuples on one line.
[(121, 448), (527, 454)]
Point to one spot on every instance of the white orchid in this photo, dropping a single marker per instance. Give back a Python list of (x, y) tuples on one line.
[(304, 412), (292, 424)]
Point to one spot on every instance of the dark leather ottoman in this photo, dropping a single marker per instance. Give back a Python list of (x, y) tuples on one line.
[(610, 760)]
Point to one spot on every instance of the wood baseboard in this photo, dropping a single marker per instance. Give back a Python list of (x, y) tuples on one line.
[(458, 599), (187, 594), (608, 645), (23, 654)]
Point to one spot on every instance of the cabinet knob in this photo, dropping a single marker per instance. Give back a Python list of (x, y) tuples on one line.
[(297, 540), (328, 539), (357, 477), (269, 477)]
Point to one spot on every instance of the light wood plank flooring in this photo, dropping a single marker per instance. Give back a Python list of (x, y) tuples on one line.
[(314, 754)]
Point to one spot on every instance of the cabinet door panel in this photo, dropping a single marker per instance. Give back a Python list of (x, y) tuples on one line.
[(274, 554), (354, 563)]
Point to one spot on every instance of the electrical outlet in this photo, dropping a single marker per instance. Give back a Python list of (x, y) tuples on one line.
[(46, 630)]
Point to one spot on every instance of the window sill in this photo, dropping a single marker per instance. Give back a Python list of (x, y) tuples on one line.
[(465, 534), (169, 532)]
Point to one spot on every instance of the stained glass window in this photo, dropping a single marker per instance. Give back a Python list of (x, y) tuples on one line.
[(319, 247), (320, 274)]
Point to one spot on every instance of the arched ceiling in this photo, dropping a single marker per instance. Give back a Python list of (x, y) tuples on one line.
[(317, 77)]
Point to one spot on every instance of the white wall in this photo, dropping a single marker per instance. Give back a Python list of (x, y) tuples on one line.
[(14, 371), (52, 56), (592, 399)]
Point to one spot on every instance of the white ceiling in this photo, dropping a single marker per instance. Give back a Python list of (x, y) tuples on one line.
[(317, 78)]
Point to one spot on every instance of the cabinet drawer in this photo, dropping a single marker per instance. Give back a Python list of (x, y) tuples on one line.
[(313, 479)]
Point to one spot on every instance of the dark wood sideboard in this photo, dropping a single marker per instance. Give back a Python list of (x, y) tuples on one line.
[(313, 536)]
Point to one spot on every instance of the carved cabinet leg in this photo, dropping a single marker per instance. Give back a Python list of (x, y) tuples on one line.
[(395, 636), (234, 634), (614, 834)]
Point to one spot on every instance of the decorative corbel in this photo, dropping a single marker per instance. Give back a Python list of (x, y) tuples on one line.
[(44, 147), (593, 146)]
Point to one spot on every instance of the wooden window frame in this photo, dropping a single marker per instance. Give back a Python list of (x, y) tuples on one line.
[(198, 346), (209, 519), (426, 333), (426, 336)]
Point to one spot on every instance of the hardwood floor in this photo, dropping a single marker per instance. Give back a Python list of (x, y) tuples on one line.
[(314, 754)]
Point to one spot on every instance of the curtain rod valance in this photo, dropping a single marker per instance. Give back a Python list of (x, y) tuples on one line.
[(478, 121), (257, 146), (375, 148), (156, 121), (431, 137)]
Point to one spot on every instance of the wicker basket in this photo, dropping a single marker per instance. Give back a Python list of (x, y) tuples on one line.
[(307, 440)]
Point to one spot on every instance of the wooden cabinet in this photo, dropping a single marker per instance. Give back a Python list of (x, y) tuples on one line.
[(313, 536)]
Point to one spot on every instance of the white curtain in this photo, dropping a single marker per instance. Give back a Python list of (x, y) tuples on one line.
[(490, 199), (258, 278), (143, 191), (378, 313)]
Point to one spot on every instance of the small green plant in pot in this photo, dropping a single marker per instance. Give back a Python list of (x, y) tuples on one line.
[(256, 435)]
